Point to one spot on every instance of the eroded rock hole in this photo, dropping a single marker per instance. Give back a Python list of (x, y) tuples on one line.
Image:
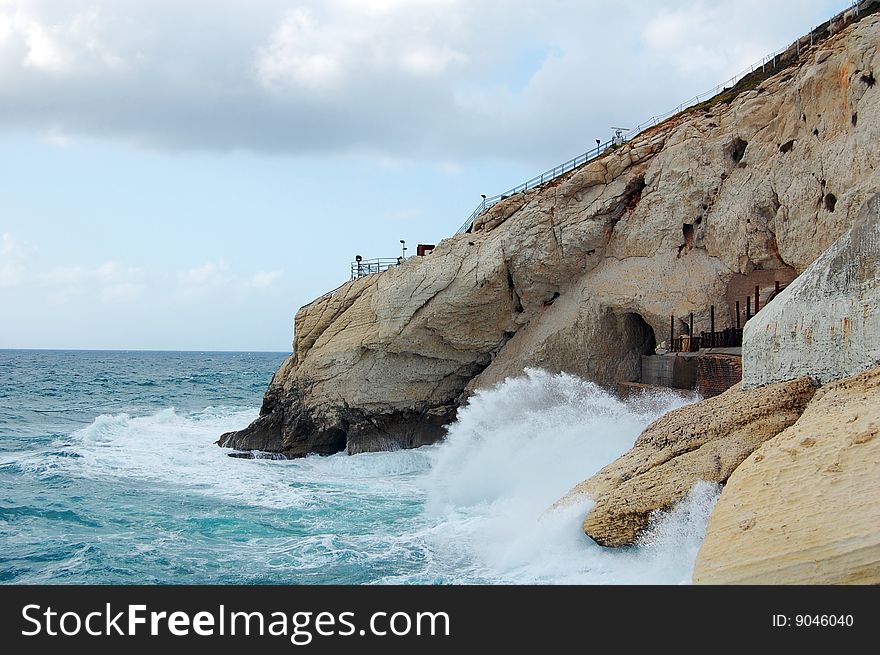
[(736, 149), (830, 201), (868, 78), (687, 231), (786, 147), (633, 191)]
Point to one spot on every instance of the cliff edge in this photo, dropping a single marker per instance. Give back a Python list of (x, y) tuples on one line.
[(583, 273)]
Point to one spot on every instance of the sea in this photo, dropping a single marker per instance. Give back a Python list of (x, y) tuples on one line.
[(109, 474)]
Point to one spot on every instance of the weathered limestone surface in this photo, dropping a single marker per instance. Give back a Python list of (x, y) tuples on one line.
[(704, 441), (582, 274), (805, 506), (827, 323)]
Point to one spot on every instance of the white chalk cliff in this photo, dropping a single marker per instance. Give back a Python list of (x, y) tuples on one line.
[(583, 273)]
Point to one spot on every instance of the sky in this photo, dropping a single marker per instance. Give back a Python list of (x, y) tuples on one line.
[(185, 174)]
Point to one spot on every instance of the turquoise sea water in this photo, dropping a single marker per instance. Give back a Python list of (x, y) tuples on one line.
[(109, 474)]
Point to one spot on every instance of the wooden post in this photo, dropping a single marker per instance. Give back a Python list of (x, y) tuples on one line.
[(691, 334), (671, 332), (777, 289), (757, 298), (748, 308), (711, 326), (737, 315)]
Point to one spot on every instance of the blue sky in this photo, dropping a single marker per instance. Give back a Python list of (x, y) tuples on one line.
[(185, 175)]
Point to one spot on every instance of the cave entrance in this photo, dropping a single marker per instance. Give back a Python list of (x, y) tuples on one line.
[(637, 339)]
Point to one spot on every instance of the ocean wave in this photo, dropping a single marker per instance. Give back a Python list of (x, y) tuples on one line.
[(160, 502)]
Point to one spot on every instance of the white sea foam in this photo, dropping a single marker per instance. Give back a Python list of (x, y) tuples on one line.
[(516, 449), (471, 509)]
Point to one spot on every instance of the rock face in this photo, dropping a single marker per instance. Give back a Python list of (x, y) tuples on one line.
[(704, 441), (827, 323), (805, 506), (583, 274)]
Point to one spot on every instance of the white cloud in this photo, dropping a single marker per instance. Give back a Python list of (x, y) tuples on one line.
[(111, 282), (58, 45), (12, 261), (213, 278), (413, 79), (430, 61), (301, 52), (55, 136), (209, 274), (264, 279)]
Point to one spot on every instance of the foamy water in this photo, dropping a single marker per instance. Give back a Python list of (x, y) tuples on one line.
[(152, 499)]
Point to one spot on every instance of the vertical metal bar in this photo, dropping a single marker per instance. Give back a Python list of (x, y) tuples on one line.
[(777, 288), (691, 334), (671, 331), (737, 315), (757, 298), (748, 308), (711, 326)]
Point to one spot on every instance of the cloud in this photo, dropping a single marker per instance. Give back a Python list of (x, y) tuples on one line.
[(264, 279), (447, 80), (12, 261), (110, 282), (302, 53), (55, 44), (56, 137), (215, 278), (699, 39)]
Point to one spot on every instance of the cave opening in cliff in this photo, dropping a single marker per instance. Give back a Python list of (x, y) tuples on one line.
[(830, 201), (638, 339), (736, 149)]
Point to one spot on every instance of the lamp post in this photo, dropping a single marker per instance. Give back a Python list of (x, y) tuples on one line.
[(598, 145), (403, 250)]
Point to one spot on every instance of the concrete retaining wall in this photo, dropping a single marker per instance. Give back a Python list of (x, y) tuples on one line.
[(826, 324)]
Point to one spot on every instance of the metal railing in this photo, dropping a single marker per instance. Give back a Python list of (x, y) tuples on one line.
[(593, 153), (369, 266)]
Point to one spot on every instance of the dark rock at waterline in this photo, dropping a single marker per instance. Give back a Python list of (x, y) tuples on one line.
[(285, 428)]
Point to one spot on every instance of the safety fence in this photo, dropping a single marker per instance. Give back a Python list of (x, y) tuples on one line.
[(787, 53)]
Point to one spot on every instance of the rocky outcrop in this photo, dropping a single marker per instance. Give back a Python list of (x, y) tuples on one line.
[(583, 273), (703, 441), (826, 324), (805, 506)]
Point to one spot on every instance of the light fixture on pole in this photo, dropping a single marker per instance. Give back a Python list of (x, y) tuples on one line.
[(403, 249)]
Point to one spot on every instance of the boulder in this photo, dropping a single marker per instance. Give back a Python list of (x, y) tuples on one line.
[(703, 441), (804, 508)]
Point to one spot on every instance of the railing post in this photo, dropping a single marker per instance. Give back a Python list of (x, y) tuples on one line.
[(672, 332), (711, 326), (737, 315), (748, 308), (757, 298)]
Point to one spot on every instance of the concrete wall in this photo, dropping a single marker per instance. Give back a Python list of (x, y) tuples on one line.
[(669, 370), (826, 324)]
